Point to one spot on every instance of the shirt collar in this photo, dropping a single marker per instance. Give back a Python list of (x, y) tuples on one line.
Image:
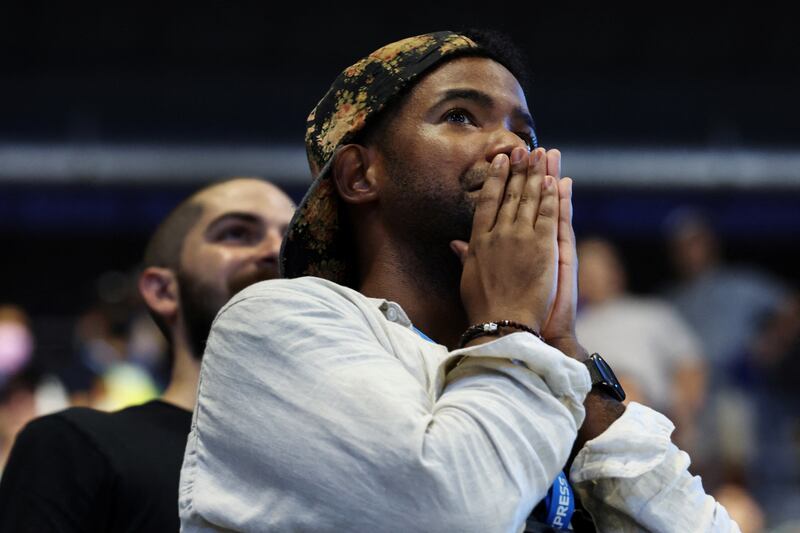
[(393, 312)]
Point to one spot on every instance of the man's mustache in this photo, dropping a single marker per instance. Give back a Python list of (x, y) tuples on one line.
[(473, 178)]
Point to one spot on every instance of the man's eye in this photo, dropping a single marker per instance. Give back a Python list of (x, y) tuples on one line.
[(234, 234), (459, 116)]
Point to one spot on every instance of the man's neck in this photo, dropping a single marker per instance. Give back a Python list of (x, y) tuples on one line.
[(433, 307), (182, 388)]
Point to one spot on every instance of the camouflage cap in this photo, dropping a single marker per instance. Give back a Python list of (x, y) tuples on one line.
[(312, 246)]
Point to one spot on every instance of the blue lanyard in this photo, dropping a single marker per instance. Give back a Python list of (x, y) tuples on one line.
[(423, 335), (559, 501)]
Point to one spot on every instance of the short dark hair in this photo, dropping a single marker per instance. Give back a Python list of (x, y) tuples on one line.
[(165, 245), (492, 44), (501, 48)]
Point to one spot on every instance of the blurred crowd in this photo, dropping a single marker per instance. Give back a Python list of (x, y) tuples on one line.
[(117, 358), (717, 350)]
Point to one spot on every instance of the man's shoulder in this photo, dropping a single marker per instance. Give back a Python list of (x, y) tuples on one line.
[(155, 413), (74, 425), (303, 289), (83, 417), (98, 427), (283, 309), (53, 465), (70, 419), (99, 469)]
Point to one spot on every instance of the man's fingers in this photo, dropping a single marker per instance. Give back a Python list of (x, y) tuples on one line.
[(566, 234), (554, 163), (531, 194), (491, 196), (547, 219), (562, 317), (514, 187)]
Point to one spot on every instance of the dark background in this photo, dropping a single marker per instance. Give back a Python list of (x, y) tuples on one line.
[(658, 76), (231, 71)]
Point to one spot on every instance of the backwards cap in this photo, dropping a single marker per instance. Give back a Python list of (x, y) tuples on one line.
[(312, 246)]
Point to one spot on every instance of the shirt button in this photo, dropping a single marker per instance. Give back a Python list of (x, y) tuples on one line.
[(391, 314)]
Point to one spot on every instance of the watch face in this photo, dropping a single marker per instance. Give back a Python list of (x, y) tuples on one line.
[(605, 370)]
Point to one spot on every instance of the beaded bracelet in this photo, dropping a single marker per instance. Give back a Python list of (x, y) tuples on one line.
[(493, 328)]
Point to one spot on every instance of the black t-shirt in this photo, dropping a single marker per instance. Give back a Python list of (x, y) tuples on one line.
[(87, 470)]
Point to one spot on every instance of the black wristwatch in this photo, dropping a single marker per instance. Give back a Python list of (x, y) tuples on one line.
[(603, 377)]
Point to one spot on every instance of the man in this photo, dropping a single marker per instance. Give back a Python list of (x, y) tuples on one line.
[(397, 390), (86, 470), (727, 304)]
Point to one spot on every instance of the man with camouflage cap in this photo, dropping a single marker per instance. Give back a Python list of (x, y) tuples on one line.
[(419, 370)]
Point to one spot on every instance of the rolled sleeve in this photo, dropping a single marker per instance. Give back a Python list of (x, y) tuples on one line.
[(632, 478), (567, 379)]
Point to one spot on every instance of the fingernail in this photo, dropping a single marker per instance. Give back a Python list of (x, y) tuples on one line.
[(548, 182), (537, 155), (516, 155), (498, 160)]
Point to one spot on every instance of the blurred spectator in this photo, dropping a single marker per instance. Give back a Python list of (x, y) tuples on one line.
[(16, 341), (741, 507), (120, 357), (25, 390), (774, 362), (653, 351), (725, 304), (17, 408)]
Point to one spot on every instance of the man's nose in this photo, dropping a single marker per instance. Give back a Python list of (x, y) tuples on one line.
[(503, 141), (270, 245)]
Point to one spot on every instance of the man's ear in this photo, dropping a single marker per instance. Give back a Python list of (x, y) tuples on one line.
[(354, 172), (159, 289)]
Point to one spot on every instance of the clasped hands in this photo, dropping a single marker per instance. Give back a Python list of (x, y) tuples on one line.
[(521, 261)]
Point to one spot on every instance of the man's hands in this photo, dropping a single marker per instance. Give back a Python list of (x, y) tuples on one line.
[(510, 265), (559, 331), (522, 262)]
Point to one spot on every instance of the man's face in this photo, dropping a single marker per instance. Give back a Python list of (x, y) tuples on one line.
[(439, 146), (235, 243), (694, 250)]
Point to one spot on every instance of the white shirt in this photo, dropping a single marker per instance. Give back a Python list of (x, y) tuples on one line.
[(319, 409)]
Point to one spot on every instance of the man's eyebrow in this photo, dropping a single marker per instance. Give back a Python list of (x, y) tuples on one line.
[(484, 100), (475, 95)]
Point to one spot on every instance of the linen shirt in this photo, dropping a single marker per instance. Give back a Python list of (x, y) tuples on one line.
[(320, 409)]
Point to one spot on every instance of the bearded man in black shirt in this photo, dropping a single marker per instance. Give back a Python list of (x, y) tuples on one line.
[(88, 470)]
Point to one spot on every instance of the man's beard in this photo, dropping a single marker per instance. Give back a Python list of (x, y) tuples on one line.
[(425, 217), (200, 303), (199, 306)]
